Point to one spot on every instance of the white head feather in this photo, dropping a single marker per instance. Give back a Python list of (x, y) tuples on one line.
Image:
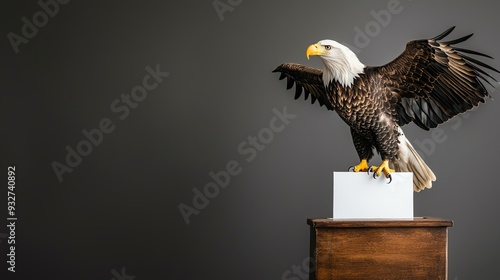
[(341, 64)]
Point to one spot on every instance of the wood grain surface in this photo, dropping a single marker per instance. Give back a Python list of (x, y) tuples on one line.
[(379, 249)]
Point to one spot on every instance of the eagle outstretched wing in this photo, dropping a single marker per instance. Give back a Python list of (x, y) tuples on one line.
[(435, 81), (307, 80)]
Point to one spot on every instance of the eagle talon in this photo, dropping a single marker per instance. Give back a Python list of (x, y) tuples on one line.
[(376, 101), (351, 167), (383, 168), (362, 166)]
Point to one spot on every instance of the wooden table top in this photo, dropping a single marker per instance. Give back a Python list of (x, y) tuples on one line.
[(345, 223)]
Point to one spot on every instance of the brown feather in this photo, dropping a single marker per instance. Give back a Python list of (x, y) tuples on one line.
[(429, 83)]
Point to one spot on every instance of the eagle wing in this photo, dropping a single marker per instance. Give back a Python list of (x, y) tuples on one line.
[(435, 81), (307, 80)]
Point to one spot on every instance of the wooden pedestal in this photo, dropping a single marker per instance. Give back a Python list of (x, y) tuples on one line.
[(379, 249)]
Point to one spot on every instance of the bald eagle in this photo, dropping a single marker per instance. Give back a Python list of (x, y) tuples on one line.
[(428, 84)]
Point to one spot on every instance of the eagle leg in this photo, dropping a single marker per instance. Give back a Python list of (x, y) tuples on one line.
[(384, 167), (362, 166)]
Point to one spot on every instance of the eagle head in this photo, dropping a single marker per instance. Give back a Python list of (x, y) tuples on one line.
[(341, 64)]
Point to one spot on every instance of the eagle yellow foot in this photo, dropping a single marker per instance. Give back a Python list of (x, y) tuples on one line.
[(384, 167), (362, 166)]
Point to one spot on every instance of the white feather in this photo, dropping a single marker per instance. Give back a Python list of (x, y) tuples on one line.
[(341, 64), (410, 161)]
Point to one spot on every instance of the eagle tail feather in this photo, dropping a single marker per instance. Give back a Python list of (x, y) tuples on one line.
[(410, 161)]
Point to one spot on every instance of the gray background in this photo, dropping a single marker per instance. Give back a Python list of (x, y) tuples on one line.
[(119, 207)]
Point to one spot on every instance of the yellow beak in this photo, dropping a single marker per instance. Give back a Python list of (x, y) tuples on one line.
[(315, 49)]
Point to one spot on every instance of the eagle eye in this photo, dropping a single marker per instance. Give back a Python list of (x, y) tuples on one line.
[(328, 47)]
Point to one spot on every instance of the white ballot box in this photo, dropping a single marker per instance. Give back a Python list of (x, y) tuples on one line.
[(360, 196)]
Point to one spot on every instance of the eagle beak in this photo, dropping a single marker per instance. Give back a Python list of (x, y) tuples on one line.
[(315, 49)]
